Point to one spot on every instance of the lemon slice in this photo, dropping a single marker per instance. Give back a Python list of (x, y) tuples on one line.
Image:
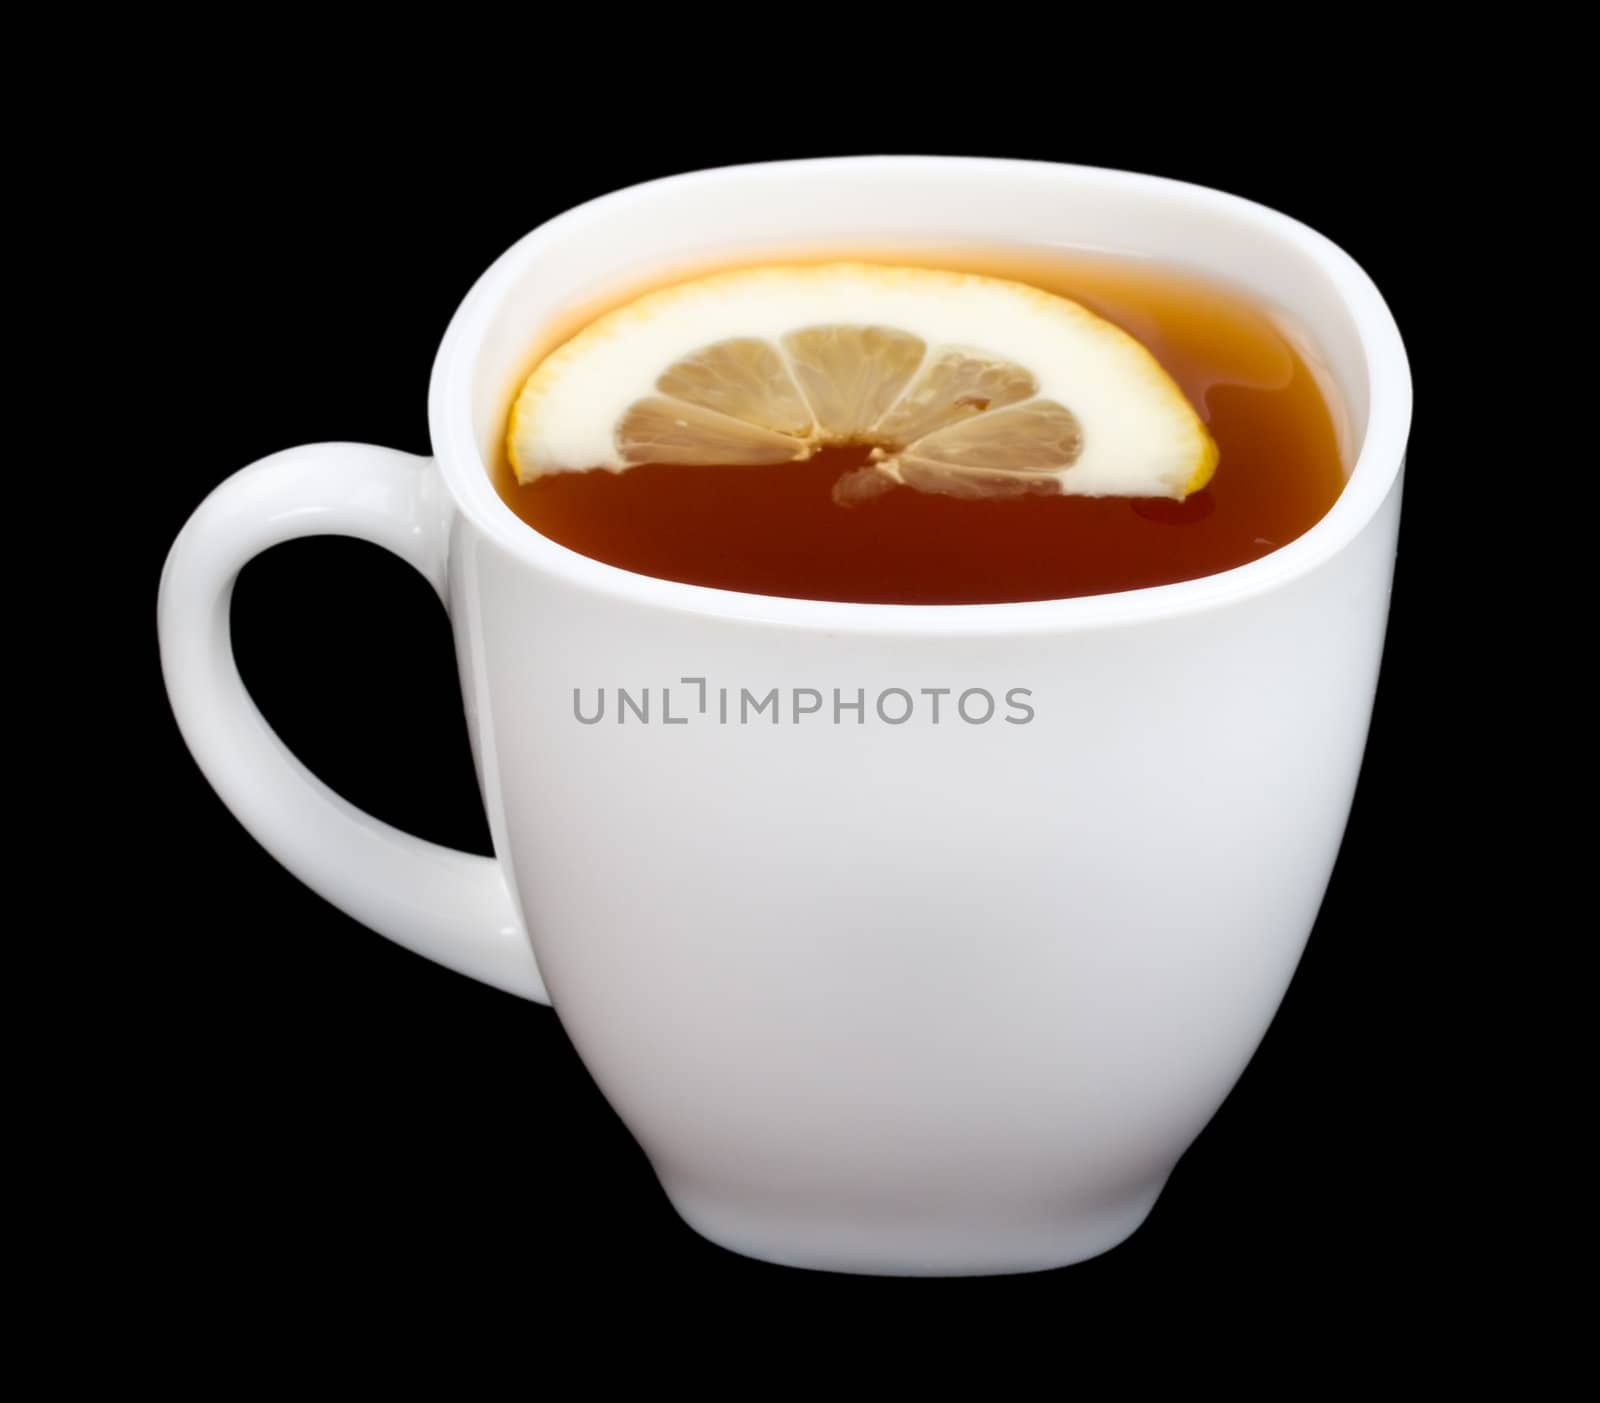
[(964, 385)]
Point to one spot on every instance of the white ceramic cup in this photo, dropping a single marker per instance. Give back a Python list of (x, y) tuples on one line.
[(906, 997)]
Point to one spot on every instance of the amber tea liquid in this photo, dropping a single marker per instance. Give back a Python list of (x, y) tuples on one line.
[(776, 529)]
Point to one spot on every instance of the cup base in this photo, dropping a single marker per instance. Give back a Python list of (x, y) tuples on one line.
[(870, 1248)]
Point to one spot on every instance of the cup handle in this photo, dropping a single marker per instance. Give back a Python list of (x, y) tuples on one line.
[(451, 906)]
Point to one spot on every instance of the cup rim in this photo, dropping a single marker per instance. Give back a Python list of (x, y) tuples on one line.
[(1376, 468)]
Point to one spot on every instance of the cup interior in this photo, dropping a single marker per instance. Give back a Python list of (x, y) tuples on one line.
[(552, 280)]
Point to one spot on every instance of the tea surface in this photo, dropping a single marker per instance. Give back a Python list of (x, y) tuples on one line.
[(776, 529)]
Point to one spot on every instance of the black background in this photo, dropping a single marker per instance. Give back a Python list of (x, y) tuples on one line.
[(302, 1095)]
